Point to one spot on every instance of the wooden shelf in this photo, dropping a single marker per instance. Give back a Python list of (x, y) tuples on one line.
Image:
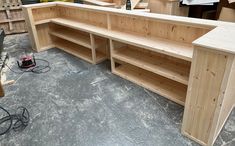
[(172, 48), (77, 38), (76, 50), (81, 40), (42, 21), (74, 37), (153, 63), (164, 46), (81, 26), (79, 51), (100, 57), (165, 87)]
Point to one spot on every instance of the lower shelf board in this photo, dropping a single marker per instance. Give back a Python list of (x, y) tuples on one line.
[(46, 47), (163, 86), (79, 51), (100, 57), (76, 50)]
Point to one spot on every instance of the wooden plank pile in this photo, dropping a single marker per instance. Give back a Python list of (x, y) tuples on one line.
[(11, 16), (137, 5), (170, 7)]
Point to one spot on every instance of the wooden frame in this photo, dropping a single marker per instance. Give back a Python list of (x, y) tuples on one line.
[(11, 17), (189, 61)]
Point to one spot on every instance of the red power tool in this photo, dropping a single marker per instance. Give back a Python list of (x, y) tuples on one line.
[(26, 62)]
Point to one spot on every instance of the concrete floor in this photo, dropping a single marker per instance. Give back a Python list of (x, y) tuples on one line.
[(80, 104)]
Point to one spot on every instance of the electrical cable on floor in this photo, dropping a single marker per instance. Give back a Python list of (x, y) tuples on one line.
[(13, 70), (41, 68), (38, 69), (17, 121)]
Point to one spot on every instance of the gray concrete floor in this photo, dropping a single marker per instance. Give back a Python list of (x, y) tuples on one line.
[(80, 104)]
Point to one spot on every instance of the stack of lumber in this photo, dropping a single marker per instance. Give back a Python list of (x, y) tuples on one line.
[(99, 3), (11, 16), (137, 5), (42, 1), (170, 7)]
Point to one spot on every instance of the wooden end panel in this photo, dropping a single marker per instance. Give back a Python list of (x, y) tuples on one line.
[(31, 28), (228, 102), (207, 84)]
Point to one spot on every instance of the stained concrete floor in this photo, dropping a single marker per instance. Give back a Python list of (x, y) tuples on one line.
[(80, 104)]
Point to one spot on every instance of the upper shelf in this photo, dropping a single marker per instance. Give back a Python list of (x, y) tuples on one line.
[(156, 64), (74, 37), (42, 21), (176, 49), (77, 38), (172, 48)]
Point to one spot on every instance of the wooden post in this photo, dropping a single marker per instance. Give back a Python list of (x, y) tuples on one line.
[(31, 28), (209, 98), (111, 52), (1, 90), (93, 49)]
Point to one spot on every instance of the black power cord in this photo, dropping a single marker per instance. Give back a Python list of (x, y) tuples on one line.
[(17, 121), (38, 69), (41, 68)]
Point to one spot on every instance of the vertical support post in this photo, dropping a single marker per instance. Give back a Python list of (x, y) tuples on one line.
[(111, 54), (109, 22), (1, 90), (207, 86), (31, 28), (8, 14), (108, 47), (93, 49)]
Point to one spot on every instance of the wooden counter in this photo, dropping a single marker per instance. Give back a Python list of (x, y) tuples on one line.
[(189, 61)]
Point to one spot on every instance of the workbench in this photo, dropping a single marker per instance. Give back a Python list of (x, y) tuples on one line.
[(189, 61)]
